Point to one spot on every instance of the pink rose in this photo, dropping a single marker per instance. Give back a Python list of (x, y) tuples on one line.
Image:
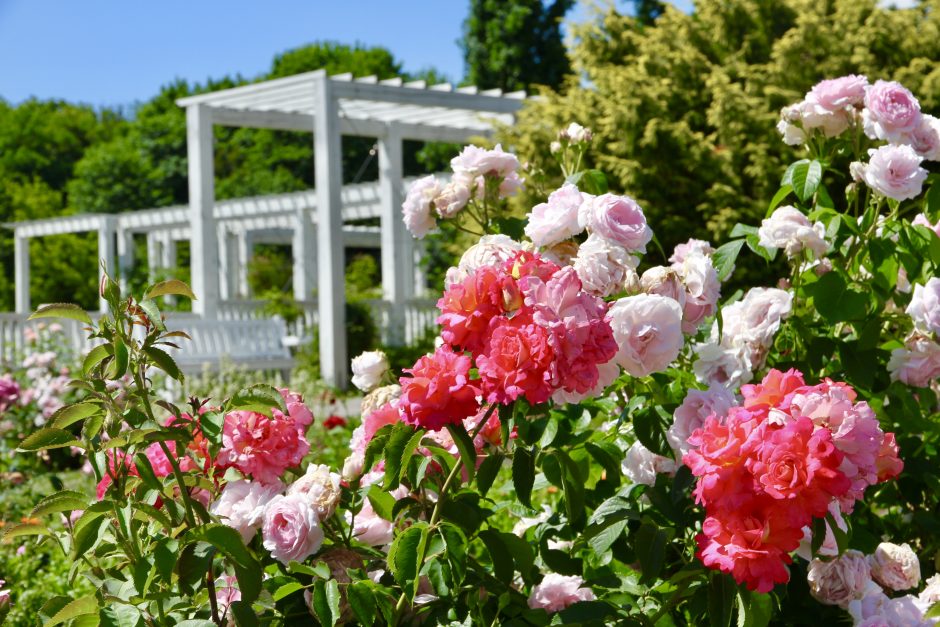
[(416, 210), (241, 505), (917, 364), (556, 220), (439, 390), (891, 111), (370, 528), (648, 330), (618, 219), (320, 487), (895, 172), (837, 94), (603, 266), (691, 247), (474, 161), (925, 139), (452, 198), (895, 566), (291, 530), (838, 581), (702, 290), (664, 282), (924, 308), (691, 414), (556, 592), (789, 229)]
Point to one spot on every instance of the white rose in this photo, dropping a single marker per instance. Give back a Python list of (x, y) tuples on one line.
[(602, 266), (368, 369), (702, 289), (241, 505), (924, 308), (895, 172), (321, 489), (648, 331), (556, 220), (789, 229), (641, 465), (895, 566), (839, 581)]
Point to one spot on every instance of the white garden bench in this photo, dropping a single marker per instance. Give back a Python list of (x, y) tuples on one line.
[(253, 344)]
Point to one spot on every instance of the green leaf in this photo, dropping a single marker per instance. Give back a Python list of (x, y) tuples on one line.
[(934, 611), (782, 193), (260, 398), (499, 555), (376, 445), (742, 230), (753, 242), (25, 529), (835, 300), (455, 549), (47, 439), (401, 444), (64, 501), (118, 367), (721, 593), (650, 431), (650, 548), (523, 474), (229, 542), (362, 601), (605, 535), (88, 534), (152, 310), (818, 535), (593, 182), (95, 356), (325, 601), (171, 287), (120, 615), (78, 607), (287, 589), (805, 178), (164, 362), (725, 256), (70, 414), (468, 452), (382, 502), (573, 485), (404, 556), (61, 310), (488, 471), (754, 609)]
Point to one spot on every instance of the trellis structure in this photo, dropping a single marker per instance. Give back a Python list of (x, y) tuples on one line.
[(220, 232)]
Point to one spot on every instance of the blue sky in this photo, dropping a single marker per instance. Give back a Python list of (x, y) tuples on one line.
[(111, 52)]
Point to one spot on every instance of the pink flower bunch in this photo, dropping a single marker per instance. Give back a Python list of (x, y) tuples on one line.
[(475, 171), (918, 362), (9, 392), (530, 328), (556, 592), (768, 467), (265, 447), (161, 464)]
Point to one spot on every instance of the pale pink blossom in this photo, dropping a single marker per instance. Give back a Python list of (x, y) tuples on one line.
[(815, 117), (891, 111), (702, 290), (931, 592), (724, 364), (226, 593), (925, 139), (664, 281), (320, 487), (648, 331), (876, 609), (491, 250), (788, 229), (602, 266), (474, 161), (291, 530), (241, 505), (556, 592), (557, 219), (576, 133), (895, 566), (895, 172), (837, 94), (416, 210), (452, 198), (841, 580), (641, 465), (370, 528), (691, 414), (691, 247), (618, 219), (924, 308), (918, 363)]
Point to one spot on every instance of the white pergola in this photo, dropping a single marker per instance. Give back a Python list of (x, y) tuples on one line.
[(328, 107)]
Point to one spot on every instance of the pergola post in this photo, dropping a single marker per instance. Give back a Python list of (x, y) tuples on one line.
[(107, 228), (328, 171), (228, 267), (246, 249), (21, 273), (421, 279), (125, 257), (304, 251), (397, 249), (154, 255), (204, 252)]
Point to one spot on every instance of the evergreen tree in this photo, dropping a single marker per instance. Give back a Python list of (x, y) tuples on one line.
[(515, 44)]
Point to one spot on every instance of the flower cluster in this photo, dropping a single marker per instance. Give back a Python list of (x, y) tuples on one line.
[(479, 175), (749, 325), (861, 584), (885, 111), (768, 467)]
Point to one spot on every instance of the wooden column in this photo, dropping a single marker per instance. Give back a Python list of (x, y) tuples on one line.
[(397, 246), (204, 248), (328, 170), (304, 251), (107, 229)]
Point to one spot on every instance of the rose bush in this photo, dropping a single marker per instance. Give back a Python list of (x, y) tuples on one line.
[(604, 434)]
